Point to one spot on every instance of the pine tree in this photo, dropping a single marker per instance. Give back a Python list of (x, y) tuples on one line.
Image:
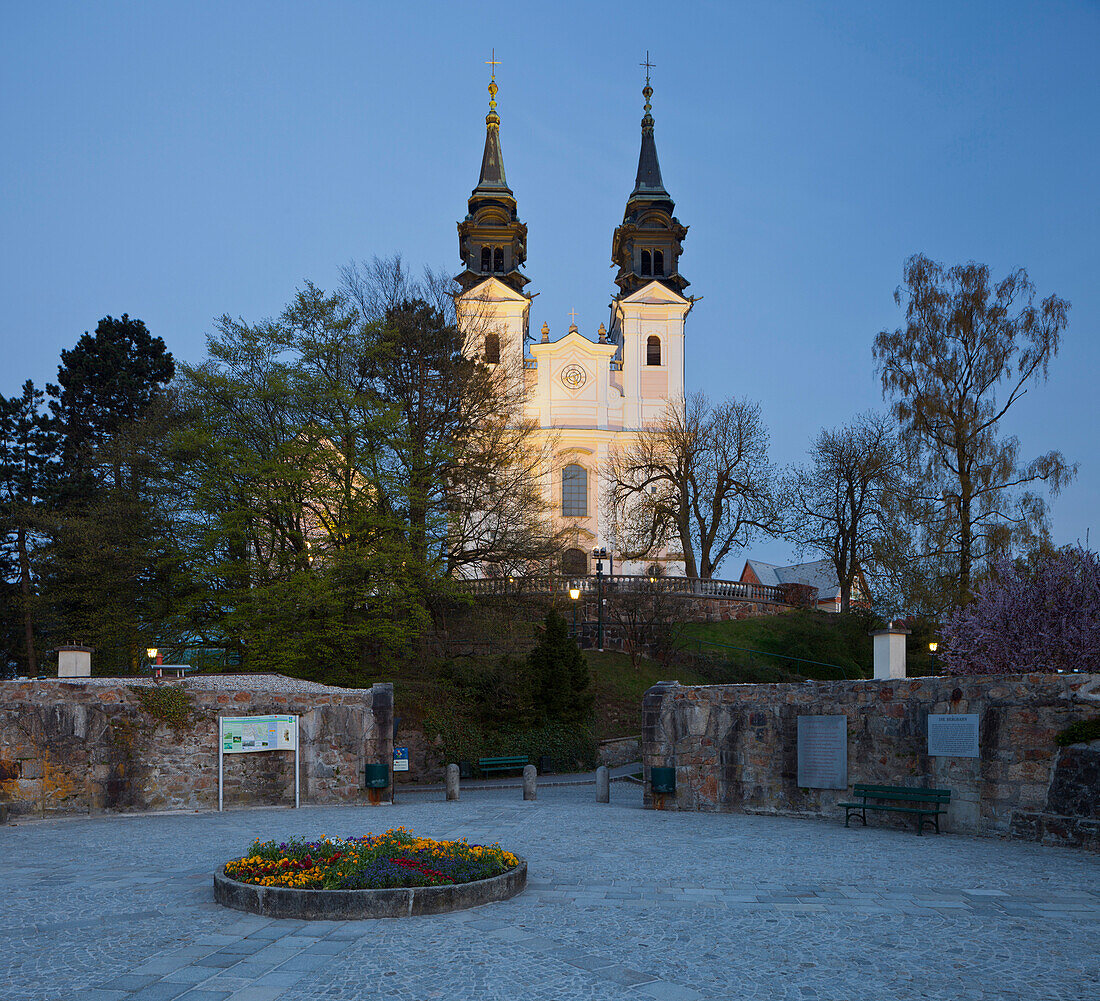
[(560, 672)]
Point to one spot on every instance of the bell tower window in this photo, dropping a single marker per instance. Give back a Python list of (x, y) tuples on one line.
[(647, 263), (485, 258), (574, 492), (653, 350), (658, 262), (498, 259), (492, 349)]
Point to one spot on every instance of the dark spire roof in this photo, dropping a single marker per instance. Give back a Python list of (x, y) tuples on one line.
[(492, 161), (648, 183)]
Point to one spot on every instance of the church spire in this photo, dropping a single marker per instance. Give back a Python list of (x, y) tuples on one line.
[(491, 239), (647, 246), (648, 181)]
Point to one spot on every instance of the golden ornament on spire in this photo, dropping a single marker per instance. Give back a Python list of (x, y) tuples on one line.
[(492, 62)]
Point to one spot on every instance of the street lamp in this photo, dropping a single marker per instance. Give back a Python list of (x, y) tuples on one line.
[(932, 648), (574, 594), (599, 555)]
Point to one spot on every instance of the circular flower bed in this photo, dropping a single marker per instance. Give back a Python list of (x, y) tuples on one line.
[(384, 875)]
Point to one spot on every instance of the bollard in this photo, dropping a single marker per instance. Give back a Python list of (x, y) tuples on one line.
[(452, 782), (530, 782), (603, 785)]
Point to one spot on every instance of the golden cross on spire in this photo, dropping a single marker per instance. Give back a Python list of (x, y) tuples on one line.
[(648, 65), (493, 62)]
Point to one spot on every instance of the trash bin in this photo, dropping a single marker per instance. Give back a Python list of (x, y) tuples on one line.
[(663, 780), (545, 764), (465, 770), (376, 776)]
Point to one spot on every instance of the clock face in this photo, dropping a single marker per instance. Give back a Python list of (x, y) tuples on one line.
[(573, 377)]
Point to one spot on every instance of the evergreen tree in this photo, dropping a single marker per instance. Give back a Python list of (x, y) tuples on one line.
[(560, 673), (103, 569), (27, 447)]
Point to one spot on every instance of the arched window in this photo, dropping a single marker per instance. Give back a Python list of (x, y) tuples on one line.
[(574, 492), (658, 262), (498, 259), (574, 563), (492, 349), (647, 265), (486, 258), (653, 350)]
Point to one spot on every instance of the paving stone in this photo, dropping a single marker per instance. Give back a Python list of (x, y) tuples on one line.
[(622, 904)]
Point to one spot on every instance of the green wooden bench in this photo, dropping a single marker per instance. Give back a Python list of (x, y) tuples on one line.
[(486, 765), (930, 804)]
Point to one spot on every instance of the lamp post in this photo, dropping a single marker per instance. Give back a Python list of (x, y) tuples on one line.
[(932, 648), (599, 555), (155, 657), (574, 594)]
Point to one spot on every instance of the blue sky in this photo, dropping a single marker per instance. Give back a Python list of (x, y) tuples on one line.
[(179, 161)]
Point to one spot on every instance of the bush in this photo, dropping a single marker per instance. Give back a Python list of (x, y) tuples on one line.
[(1080, 732)]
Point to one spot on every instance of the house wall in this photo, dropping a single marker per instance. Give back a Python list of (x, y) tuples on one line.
[(734, 748)]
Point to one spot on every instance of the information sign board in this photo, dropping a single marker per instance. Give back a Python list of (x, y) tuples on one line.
[(953, 736), (243, 734), (400, 759), (823, 752)]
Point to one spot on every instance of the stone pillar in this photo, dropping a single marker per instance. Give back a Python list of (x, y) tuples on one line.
[(603, 785), (74, 661), (889, 652), (452, 783), (530, 782)]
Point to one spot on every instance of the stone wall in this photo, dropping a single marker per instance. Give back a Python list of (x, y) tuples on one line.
[(619, 751), (734, 748), (87, 745)]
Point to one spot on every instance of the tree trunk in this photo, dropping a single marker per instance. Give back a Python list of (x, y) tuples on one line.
[(28, 617)]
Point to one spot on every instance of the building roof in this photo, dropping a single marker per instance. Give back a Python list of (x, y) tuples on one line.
[(820, 574)]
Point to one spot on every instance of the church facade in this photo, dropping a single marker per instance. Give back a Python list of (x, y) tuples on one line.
[(586, 394)]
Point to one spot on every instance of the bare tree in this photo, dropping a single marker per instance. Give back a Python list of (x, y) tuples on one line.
[(837, 504), (648, 616), (966, 355), (699, 478)]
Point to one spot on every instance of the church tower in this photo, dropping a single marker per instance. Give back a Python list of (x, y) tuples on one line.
[(492, 242), (648, 314)]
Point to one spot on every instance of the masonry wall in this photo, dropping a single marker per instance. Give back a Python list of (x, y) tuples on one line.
[(734, 748), (83, 747)]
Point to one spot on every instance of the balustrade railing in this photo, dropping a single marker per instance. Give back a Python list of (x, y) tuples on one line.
[(628, 583)]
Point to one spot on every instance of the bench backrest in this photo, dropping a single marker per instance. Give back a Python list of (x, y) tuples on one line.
[(518, 760), (902, 793)]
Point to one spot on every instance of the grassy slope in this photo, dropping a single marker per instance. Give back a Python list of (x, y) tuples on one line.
[(620, 687), (832, 639)]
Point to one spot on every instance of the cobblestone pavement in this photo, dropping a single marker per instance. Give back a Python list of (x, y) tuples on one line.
[(621, 904)]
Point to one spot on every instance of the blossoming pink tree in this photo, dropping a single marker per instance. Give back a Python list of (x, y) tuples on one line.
[(1040, 618)]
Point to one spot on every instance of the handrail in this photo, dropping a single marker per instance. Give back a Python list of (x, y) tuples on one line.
[(765, 653)]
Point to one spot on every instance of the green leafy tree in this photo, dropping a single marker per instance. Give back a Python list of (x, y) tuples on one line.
[(966, 355), (296, 567), (560, 673)]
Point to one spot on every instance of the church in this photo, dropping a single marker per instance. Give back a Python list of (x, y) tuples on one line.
[(589, 392)]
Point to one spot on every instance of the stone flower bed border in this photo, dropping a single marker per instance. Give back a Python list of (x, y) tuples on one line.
[(400, 902)]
